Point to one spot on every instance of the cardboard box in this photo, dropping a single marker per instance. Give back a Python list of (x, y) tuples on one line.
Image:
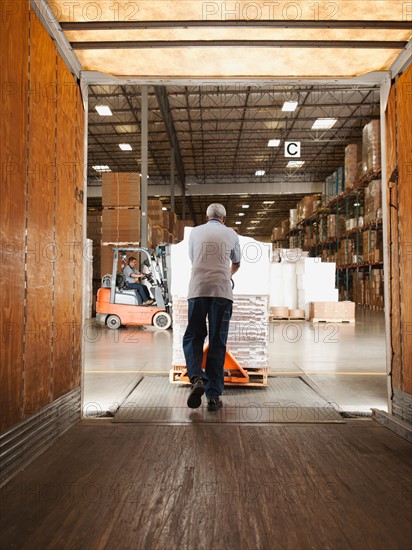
[(340, 311), (121, 225), (121, 189)]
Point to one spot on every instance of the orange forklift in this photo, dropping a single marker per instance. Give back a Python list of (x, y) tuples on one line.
[(117, 305)]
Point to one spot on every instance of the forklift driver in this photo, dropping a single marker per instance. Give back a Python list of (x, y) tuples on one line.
[(132, 278)]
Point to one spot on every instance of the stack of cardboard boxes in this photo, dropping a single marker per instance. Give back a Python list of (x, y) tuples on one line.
[(307, 207), (353, 163), (120, 215), (368, 288), (373, 202), (164, 227), (372, 246)]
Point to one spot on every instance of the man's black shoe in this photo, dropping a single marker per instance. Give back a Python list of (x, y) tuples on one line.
[(195, 396), (214, 404)]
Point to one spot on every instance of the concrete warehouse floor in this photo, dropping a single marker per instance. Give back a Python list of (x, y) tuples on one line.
[(345, 363)]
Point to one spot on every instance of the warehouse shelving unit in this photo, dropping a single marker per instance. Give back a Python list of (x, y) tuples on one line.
[(346, 246)]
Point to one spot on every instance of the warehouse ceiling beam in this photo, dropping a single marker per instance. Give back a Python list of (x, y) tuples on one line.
[(163, 102), (239, 137), (228, 23), (226, 89), (259, 108), (301, 44), (188, 108), (133, 111)]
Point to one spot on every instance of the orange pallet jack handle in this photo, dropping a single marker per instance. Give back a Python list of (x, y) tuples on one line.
[(234, 373)]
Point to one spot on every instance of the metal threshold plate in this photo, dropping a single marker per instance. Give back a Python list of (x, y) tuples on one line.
[(285, 400)]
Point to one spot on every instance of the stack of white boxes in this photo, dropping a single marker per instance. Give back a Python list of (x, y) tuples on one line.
[(315, 282), (248, 333)]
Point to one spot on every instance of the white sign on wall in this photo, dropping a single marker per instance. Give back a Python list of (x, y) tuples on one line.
[(292, 149)]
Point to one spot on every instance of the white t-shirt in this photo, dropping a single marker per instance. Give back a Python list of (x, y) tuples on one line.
[(212, 248)]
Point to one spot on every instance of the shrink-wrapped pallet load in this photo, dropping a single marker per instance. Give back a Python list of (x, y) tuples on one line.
[(353, 156), (293, 218), (336, 225), (373, 201), (315, 282), (371, 147), (248, 334)]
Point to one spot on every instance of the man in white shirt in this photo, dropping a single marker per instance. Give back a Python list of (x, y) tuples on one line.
[(214, 250)]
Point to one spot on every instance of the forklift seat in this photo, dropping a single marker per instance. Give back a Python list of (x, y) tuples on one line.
[(122, 289), (120, 281)]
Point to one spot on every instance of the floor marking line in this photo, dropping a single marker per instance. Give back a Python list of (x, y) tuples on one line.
[(270, 373)]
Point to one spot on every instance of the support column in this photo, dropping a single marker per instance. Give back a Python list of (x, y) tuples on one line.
[(144, 164), (172, 180), (183, 201)]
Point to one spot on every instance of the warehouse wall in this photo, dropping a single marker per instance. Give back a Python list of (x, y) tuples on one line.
[(399, 196), (41, 215)]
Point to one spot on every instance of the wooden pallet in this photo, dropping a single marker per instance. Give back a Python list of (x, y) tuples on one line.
[(272, 319), (347, 321)]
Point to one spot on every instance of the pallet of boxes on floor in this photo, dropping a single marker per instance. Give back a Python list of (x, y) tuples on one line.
[(305, 288), (343, 225)]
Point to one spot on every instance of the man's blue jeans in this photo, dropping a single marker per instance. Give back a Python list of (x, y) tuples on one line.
[(141, 290), (218, 311)]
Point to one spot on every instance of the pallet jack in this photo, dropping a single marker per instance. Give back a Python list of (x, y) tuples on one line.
[(235, 375)]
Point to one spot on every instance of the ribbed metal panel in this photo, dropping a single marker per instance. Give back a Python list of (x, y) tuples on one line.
[(284, 400), (23, 443), (402, 405)]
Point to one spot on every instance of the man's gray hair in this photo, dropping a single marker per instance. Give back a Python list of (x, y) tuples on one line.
[(216, 211)]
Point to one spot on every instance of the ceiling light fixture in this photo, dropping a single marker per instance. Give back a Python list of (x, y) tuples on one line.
[(164, 208), (241, 214), (324, 123), (274, 143), (289, 106), (254, 221), (238, 223), (103, 110), (102, 168), (245, 206), (259, 173), (268, 202), (125, 146), (295, 163)]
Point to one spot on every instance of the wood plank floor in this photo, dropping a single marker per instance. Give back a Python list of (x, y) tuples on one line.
[(214, 487)]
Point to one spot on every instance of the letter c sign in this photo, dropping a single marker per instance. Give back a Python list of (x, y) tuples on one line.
[(292, 149)]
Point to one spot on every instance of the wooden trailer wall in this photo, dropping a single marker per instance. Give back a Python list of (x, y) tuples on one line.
[(399, 204), (41, 211)]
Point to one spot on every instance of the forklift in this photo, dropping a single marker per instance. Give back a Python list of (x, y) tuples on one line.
[(118, 305)]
